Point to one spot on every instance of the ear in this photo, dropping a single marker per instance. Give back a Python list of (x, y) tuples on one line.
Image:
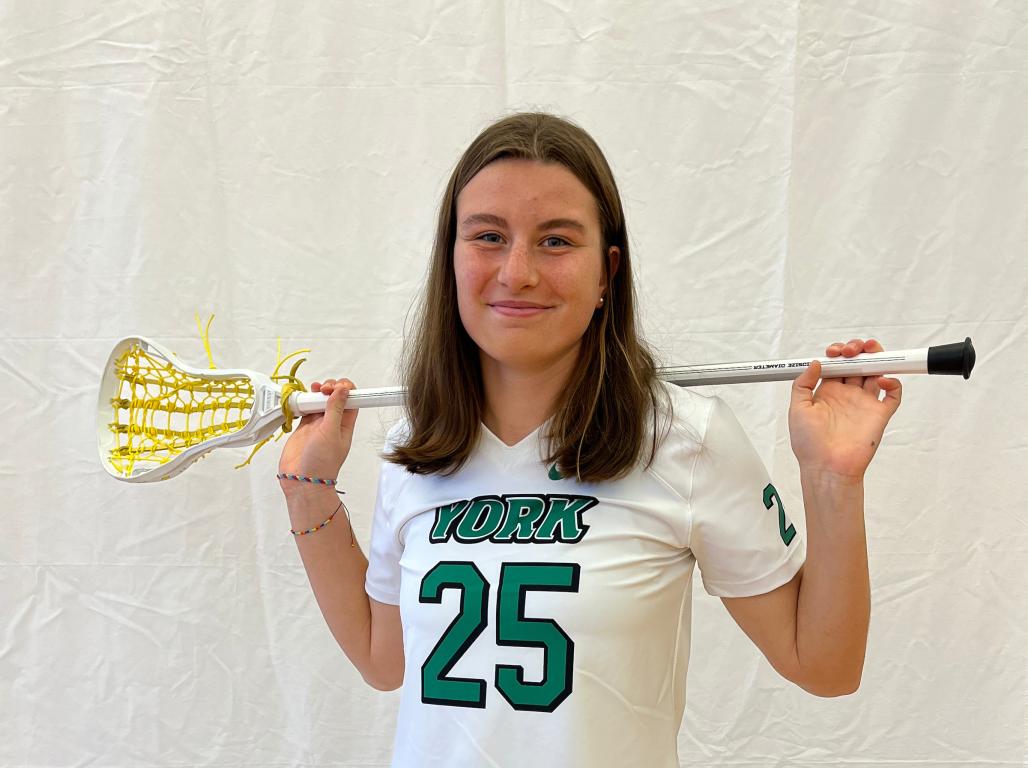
[(614, 259)]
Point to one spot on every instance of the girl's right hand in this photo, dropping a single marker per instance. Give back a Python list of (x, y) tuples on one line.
[(320, 443)]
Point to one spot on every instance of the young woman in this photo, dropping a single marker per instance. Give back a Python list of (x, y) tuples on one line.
[(544, 500)]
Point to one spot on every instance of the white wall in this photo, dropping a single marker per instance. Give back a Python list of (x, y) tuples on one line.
[(794, 173)]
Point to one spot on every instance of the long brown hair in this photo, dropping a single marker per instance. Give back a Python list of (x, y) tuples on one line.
[(601, 416)]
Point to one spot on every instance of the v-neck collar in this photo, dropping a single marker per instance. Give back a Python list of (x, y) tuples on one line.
[(527, 447)]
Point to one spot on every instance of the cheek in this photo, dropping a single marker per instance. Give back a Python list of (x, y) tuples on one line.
[(462, 276), (575, 285), (469, 282)]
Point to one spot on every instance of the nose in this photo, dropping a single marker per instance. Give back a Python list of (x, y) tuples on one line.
[(518, 269)]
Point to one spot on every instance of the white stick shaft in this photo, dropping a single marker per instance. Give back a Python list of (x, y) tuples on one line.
[(314, 402), (866, 364)]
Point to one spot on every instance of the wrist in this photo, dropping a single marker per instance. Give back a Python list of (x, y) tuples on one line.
[(829, 478), (307, 492)]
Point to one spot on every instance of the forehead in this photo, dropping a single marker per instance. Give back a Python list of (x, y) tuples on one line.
[(528, 187)]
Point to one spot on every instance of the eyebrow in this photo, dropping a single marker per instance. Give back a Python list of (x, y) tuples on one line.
[(499, 221)]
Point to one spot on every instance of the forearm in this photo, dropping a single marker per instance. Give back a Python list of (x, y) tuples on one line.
[(834, 604), (336, 571)]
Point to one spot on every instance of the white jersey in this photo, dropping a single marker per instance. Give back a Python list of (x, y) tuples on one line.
[(546, 622)]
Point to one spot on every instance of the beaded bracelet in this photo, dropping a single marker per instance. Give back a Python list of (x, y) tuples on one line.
[(326, 522), (317, 527)]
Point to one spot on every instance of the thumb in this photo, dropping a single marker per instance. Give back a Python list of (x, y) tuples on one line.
[(803, 385)]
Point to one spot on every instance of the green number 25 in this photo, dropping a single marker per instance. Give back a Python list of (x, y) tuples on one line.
[(512, 629)]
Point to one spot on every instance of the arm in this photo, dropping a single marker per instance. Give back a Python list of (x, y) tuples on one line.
[(813, 630), (369, 632)]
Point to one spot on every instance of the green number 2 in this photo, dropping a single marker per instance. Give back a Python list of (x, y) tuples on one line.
[(771, 497), (512, 629), (436, 688)]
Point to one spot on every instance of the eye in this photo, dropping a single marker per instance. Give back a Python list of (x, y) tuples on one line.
[(561, 242)]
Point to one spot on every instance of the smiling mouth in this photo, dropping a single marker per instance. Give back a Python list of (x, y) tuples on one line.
[(518, 311)]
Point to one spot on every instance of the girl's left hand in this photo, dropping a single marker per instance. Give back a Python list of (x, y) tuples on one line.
[(837, 429)]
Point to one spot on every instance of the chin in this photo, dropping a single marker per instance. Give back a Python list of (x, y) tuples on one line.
[(517, 358), (527, 354)]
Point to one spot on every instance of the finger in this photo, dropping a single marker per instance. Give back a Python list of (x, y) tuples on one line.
[(871, 383), (852, 348), (336, 405), (349, 414), (893, 393), (309, 418), (833, 351), (836, 349)]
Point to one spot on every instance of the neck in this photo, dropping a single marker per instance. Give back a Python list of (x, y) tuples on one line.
[(520, 398)]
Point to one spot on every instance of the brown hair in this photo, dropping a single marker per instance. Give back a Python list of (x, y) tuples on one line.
[(600, 417)]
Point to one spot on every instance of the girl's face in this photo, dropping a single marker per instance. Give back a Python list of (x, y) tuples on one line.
[(527, 262)]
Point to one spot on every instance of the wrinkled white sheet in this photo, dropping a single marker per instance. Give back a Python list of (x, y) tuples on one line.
[(794, 173)]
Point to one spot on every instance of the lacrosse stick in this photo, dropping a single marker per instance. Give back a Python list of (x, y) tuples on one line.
[(157, 415)]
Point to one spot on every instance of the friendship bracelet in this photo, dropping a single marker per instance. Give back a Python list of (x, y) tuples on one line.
[(305, 479)]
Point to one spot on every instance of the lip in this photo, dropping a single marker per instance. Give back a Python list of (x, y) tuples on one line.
[(518, 308)]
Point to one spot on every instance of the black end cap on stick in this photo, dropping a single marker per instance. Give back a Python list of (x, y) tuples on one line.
[(952, 359)]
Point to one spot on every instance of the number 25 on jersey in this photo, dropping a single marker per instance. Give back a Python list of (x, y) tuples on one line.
[(512, 629)]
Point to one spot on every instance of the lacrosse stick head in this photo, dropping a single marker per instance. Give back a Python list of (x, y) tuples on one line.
[(157, 415)]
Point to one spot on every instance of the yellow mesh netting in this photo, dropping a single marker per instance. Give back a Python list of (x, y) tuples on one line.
[(160, 410)]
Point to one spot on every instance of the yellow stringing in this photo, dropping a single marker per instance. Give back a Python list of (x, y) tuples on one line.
[(159, 411)]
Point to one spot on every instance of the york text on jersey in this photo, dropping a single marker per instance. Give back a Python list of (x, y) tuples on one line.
[(517, 518)]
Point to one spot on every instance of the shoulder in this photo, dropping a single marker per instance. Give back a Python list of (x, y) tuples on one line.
[(397, 433), (697, 434), (682, 416), (685, 414), (708, 422)]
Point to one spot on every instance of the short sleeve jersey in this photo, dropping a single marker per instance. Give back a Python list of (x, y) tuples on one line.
[(546, 622)]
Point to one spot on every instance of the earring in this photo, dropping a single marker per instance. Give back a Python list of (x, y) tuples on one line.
[(601, 301)]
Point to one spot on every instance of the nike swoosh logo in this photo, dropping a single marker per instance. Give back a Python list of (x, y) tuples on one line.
[(555, 473)]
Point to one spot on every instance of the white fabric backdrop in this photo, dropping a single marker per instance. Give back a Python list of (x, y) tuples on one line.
[(794, 173)]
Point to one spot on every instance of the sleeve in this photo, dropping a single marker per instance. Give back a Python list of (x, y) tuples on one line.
[(382, 581), (741, 534)]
